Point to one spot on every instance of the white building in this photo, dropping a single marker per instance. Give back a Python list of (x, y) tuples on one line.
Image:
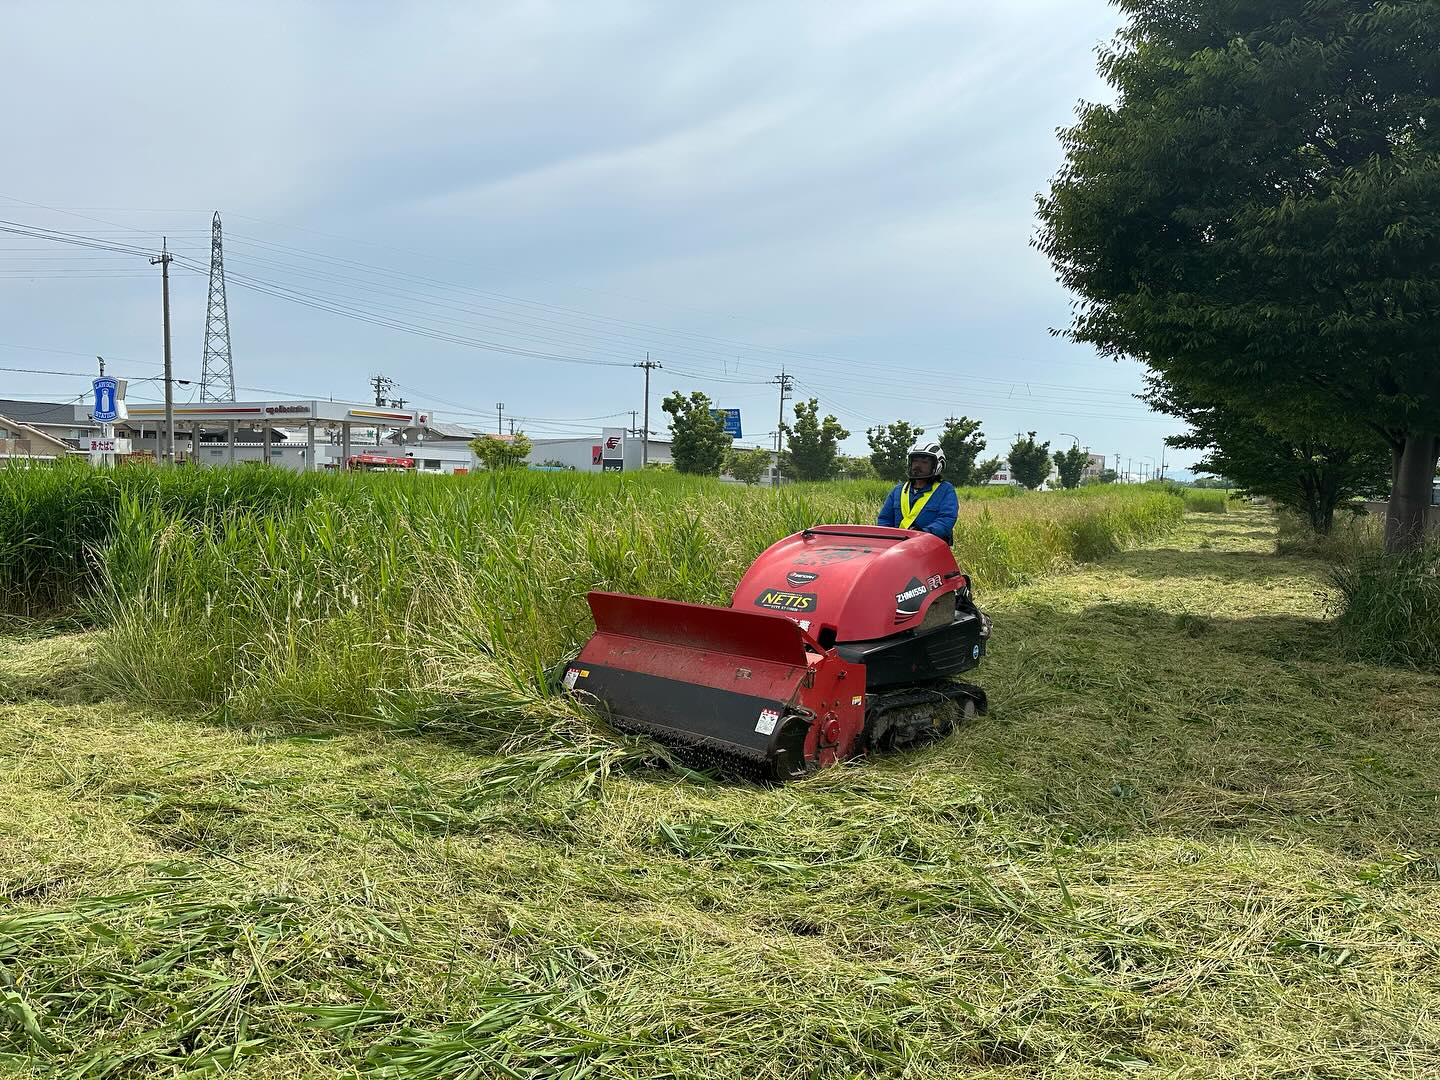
[(1002, 475), (299, 435), (612, 450)]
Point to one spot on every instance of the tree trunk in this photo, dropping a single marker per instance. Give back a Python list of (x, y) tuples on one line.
[(1410, 497), (1318, 501)]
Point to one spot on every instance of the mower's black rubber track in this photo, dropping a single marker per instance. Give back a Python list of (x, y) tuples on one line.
[(884, 708), (702, 754)]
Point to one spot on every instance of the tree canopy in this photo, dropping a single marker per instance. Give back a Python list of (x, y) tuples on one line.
[(962, 441), (814, 444), (1030, 461), (698, 440), (1071, 465), (494, 452), (747, 466), (1256, 216), (857, 468), (984, 470), (890, 448)]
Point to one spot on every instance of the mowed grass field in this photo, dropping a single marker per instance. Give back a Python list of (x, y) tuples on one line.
[(1187, 839)]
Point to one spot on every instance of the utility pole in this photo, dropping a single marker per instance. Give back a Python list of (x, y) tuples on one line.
[(499, 418), (634, 431), (382, 387), (786, 384), (649, 366), (164, 259), (512, 427)]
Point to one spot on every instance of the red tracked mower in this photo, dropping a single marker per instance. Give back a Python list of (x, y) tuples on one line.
[(838, 640)]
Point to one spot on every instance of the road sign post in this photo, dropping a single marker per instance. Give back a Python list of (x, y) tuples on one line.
[(730, 420), (108, 406)]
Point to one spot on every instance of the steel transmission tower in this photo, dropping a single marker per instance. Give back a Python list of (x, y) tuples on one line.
[(217, 372)]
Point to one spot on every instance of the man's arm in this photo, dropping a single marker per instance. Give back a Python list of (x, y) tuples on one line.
[(890, 512), (947, 509)]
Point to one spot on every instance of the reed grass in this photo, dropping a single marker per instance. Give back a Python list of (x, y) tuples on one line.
[(1389, 606), (1205, 500), (447, 603), (56, 521)]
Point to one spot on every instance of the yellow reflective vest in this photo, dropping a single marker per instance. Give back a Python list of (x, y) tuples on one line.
[(908, 511)]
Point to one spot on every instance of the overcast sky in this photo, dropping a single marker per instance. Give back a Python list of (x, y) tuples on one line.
[(842, 190)]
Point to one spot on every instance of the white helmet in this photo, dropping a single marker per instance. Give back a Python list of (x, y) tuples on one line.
[(927, 461)]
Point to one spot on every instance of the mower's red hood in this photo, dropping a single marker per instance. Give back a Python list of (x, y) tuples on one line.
[(863, 582)]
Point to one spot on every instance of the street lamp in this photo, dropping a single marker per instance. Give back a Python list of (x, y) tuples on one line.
[(1076, 438)]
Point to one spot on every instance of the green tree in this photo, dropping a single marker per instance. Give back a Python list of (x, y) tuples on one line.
[(814, 450), (1030, 461), (890, 448), (857, 468), (1312, 474), (494, 452), (1254, 217), (987, 468), (962, 441), (1214, 482), (747, 466), (697, 439), (1071, 465)]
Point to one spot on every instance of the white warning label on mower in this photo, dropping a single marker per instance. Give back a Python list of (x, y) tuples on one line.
[(571, 677), (768, 719)]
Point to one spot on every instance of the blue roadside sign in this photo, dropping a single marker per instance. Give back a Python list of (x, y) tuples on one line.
[(107, 400), (730, 418)]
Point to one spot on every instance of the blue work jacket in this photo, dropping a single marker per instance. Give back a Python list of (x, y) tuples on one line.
[(937, 516)]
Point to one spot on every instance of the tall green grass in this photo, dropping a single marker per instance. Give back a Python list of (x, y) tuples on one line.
[(1205, 500), (55, 521), (448, 601), (1390, 606)]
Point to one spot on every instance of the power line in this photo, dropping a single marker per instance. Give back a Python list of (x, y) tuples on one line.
[(698, 345), (571, 329)]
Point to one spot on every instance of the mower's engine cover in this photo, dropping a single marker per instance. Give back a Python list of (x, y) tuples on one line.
[(854, 582)]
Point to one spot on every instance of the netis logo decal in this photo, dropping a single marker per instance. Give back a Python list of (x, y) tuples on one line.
[(784, 600)]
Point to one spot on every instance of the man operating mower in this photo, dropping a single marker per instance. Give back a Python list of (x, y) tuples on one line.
[(924, 501)]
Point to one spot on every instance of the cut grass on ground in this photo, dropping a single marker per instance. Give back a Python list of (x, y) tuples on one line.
[(1187, 838)]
